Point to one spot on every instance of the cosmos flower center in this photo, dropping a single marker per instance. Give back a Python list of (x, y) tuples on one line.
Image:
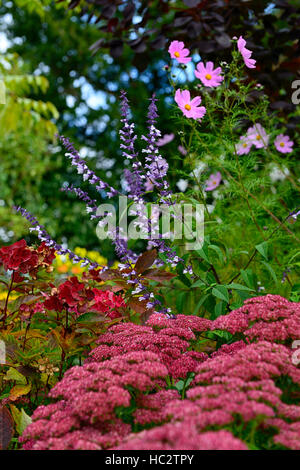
[(208, 76), (244, 145), (214, 183), (188, 107), (176, 54), (258, 137), (281, 144)]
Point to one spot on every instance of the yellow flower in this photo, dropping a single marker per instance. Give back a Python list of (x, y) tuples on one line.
[(63, 264)]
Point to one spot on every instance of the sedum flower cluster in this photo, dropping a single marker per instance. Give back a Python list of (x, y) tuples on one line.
[(150, 387)]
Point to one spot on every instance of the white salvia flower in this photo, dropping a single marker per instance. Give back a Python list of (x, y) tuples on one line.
[(122, 266), (182, 185)]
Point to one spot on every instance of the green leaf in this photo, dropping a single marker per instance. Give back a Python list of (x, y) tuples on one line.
[(13, 374), (220, 309), (201, 301), (271, 271), (179, 385), (218, 251), (263, 249), (235, 286), (248, 277), (236, 305), (203, 253), (221, 292), (21, 419), (198, 283), (180, 300)]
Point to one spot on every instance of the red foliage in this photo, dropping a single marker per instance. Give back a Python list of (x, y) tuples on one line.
[(19, 257), (107, 302)]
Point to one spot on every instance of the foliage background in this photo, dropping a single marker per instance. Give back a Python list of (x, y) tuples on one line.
[(86, 53)]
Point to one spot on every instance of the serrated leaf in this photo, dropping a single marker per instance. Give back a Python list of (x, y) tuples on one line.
[(221, 292)]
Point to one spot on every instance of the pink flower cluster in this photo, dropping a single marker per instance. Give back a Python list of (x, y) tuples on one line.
[(182, 436), (170, 343), (270, 317), (85, 417), (239, 388), (257, 136)]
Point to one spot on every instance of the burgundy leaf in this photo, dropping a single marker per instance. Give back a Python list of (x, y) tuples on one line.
[(145, 261)]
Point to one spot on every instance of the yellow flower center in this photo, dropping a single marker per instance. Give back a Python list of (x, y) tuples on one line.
[(187, 106), (208, 76), (281, 144), (214, 183), (176, 54), (245, 145), (258, 137)]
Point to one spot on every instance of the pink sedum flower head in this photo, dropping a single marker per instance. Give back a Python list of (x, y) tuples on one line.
[(283, 143), (258, 136), (213, 181), (165, 139), (246, 54), (244, 146), (209, 76), (179, 52), (190, 108)]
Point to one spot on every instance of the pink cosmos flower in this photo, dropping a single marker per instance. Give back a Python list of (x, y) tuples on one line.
[(257, 134), (208, 75), (179, 52), (213, 181), (246, 54), (244, 146), (190, 108), (283, 143), (165, 139)]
